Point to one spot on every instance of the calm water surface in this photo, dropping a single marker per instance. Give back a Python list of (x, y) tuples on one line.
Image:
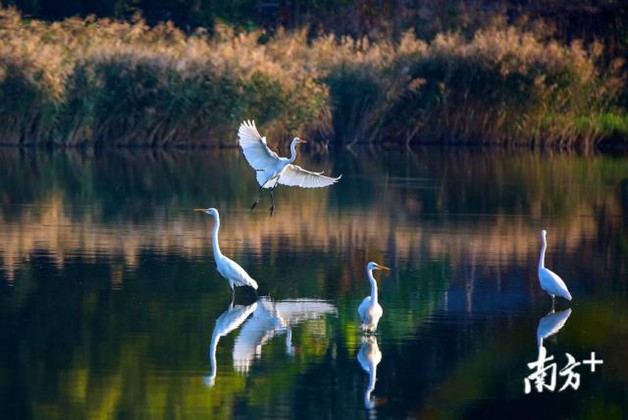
[(111, 306)]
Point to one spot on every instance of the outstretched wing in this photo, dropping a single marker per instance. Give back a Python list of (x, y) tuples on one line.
[(255, 149), (296, 176)]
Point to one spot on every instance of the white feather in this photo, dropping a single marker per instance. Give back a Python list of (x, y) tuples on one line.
[(550, 281), (227, 268), (254, 147), (296, 176), (272, 169), (370, 313), (234, 273)]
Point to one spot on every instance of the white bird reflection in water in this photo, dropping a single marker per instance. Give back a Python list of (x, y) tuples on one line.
[(369, 357), (550, 324), (228, 321), (271, 319)]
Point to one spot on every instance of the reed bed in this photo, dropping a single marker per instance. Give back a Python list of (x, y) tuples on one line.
[(102, 82)]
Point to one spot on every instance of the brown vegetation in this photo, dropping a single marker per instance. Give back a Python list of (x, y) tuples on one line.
[(103, 82)]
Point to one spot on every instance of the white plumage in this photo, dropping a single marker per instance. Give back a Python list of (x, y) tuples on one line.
[(370, 310), (228, 321), (229, 269), (271, 319), (550, 281), (369, 357), (550, 324), (273, 170)]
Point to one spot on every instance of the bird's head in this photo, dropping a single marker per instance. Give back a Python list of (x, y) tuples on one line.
[(374, 266), (211, 211), (298, 140), (543, 233)]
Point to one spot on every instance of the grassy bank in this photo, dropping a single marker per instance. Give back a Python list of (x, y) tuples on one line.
[(103, 82)]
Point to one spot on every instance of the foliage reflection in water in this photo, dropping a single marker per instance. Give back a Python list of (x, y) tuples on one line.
[(110, 295)]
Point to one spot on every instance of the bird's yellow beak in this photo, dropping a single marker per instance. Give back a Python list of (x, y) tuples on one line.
[(302, 140), (199, 209), (383, 267)]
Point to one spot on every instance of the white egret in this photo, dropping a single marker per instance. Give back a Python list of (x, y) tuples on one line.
[(369, 357), (550, 281), (370, 310), (228, 321), (229, 269), (273, 170)]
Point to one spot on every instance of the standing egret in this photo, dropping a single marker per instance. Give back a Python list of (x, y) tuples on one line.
[(370, 310), (229, 269), (550, 281), (273, 170)]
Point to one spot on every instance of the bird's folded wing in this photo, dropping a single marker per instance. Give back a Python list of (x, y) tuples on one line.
[(254, 146), (296, 176)]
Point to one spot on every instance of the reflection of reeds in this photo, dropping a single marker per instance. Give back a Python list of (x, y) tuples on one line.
[(107, 82), (119, 204), (303, 223)]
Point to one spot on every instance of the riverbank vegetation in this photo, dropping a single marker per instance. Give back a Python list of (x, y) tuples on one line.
[(101, 82)]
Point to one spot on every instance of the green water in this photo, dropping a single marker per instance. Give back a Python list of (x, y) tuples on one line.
[(109, 298)]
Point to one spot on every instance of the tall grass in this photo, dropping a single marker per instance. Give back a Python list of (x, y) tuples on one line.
[(104, 82)]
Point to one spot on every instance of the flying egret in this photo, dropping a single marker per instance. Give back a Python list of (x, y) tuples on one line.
[(550, 281), (273, 170), (229, 269), (228, 321), (370, 310), (369, 357)]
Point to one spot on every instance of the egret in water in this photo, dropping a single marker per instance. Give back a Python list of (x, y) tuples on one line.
[(550, 281), (370, 310), (273, 170), (229, 269)]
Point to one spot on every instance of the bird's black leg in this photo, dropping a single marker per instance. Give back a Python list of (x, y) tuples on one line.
[(257, 198), (272, 200)]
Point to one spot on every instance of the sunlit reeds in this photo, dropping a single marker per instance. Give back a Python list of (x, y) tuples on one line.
[(104, 82)]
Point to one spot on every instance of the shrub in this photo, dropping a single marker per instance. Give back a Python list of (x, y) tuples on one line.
[(103, 82)]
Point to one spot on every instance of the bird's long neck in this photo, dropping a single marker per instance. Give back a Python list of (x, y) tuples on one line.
[(371, 386), (373, 286), (293, 151), (372, 377), (212, 355), (542, 256), (217, 253)]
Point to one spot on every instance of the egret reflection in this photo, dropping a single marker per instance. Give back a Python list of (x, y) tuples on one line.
[(228, 321), (271, 319), (550, 324), (369, 357)]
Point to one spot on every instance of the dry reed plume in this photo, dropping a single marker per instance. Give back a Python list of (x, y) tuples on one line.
[(104, 82)]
